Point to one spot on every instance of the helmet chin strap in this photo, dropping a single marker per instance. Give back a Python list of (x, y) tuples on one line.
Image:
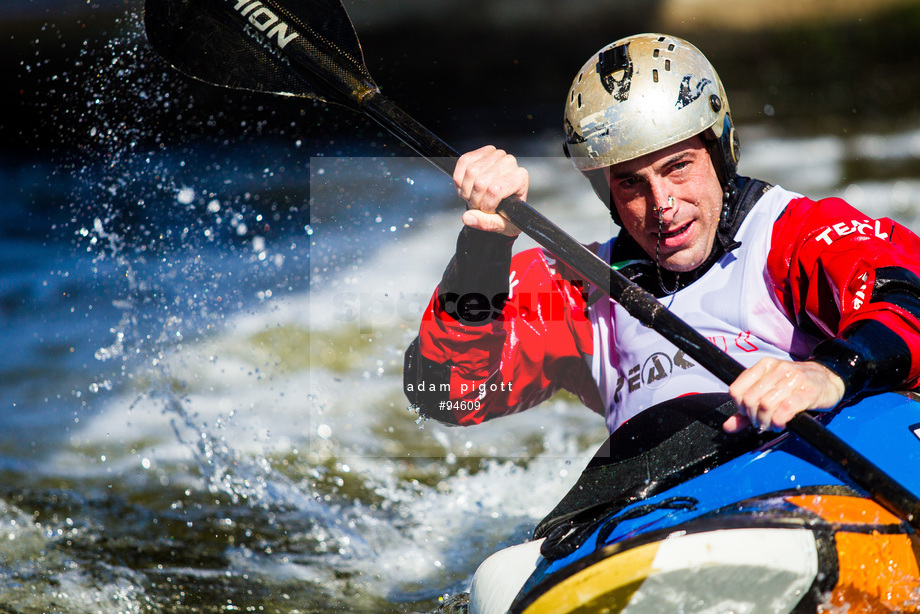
[(659, 213)]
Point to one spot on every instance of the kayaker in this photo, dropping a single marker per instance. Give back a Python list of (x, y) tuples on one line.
[(820, 302)]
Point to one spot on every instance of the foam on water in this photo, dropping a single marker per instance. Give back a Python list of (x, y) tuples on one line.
[(251, 410), (243, 406)]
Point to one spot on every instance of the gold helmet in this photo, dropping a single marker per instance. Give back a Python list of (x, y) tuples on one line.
[(642, 94)]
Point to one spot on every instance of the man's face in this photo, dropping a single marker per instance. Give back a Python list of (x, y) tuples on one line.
[(640, 187)]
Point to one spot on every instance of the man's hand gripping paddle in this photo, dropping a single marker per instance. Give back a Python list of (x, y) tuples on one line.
[(309, 49)]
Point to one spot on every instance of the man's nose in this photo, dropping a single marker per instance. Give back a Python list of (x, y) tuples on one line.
[(663, 204)]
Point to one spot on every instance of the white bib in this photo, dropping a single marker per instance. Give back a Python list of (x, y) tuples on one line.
[(732, 305)]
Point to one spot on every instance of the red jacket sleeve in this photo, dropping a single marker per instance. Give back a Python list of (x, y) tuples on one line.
[(838, 272), (539, 343)]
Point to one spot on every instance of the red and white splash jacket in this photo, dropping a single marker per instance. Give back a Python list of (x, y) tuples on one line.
[(801, 280)]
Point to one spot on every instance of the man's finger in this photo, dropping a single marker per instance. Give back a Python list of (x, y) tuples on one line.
[(736, 423)]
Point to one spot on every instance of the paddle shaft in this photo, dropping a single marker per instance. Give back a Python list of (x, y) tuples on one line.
[(643, 306)]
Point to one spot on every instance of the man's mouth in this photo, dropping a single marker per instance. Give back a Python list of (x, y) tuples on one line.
[(676, 232)]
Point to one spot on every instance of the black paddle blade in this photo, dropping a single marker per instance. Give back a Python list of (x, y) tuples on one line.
[(304, 48)]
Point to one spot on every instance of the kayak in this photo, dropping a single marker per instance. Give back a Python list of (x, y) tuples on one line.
[(673, 515)]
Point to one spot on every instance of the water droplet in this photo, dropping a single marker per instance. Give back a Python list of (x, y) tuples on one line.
[(186, 196)]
